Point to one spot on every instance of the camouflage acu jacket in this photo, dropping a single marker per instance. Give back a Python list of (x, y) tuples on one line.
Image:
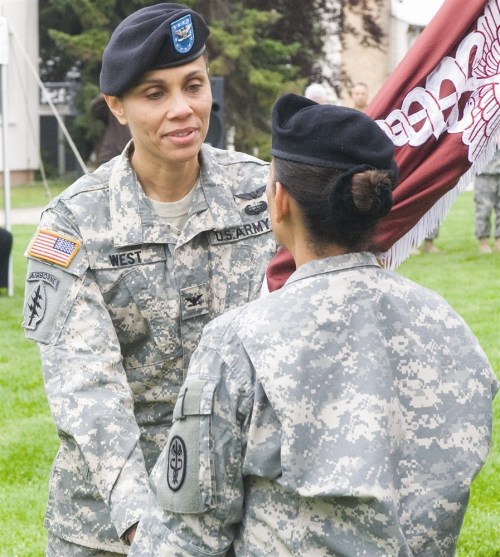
[(343, 415), (116, 302), (493, 167)]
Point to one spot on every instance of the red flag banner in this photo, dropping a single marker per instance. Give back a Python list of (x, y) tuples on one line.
[(441, 108)]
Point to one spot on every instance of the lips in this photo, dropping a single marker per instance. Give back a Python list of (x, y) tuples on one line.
[(182, 133), (182, 136)]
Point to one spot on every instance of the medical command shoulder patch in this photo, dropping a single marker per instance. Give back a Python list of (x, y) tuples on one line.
[(176, 463), (54, 248)]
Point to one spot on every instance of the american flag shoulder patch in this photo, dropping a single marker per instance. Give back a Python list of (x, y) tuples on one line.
[(54, 247)]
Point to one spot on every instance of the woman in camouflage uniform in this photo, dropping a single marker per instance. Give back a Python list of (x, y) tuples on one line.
[(345, 414), (126, 268)]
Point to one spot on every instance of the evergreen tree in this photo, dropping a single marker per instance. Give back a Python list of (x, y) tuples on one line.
[(72, 38)]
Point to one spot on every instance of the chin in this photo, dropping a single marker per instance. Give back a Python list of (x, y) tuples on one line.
[(186, 153)]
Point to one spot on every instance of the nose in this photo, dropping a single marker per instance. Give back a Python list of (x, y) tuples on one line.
[(179, 107)]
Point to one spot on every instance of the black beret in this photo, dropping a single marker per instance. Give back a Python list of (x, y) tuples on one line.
[(159, 36), (328, 135)]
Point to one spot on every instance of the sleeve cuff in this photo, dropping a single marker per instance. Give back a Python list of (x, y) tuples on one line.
[(130, 494)]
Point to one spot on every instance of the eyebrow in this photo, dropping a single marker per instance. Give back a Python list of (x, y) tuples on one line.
[(157, 81)]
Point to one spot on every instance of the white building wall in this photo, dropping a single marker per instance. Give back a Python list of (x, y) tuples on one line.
[(331, 66), (22, 89), (409, 18), (369, 64), (415, 13)]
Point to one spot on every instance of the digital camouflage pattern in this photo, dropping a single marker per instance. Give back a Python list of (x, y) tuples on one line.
[(117, 326), (487, 199), (343, 415)]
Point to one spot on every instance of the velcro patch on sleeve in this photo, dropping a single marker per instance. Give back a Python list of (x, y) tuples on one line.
[(53, 247), (183, 474)]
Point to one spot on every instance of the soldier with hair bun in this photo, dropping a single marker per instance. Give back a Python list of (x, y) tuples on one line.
[(127, 267), (344, 414)]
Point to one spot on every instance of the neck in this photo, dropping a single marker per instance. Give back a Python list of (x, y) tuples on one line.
[(302, 252), (298, 242), (296, 239), (167, 183)]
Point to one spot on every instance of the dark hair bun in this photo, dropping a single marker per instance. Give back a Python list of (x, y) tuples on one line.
[(363, 194)]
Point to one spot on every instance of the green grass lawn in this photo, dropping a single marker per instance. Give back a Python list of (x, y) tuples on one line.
[(28, 442), (34, 194), (470, 283)]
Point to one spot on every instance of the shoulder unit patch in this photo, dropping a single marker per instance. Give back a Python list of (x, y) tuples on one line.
[(176, 463), (34, 310)]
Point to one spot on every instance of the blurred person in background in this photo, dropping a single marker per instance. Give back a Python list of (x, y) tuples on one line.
[(5, 250), (487, 205), (317, 93), (115, 136), (359, 96), (428, 245)]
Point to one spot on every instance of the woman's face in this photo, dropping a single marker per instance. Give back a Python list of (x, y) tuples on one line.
[(168, 113)]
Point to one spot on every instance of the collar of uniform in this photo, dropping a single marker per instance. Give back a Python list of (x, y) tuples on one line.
[(125, 203), (334, 264), (133, 220), (127, 210), (217, 185)]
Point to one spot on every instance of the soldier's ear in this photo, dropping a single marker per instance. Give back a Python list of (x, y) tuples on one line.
[(116, 106), (281, 202)]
